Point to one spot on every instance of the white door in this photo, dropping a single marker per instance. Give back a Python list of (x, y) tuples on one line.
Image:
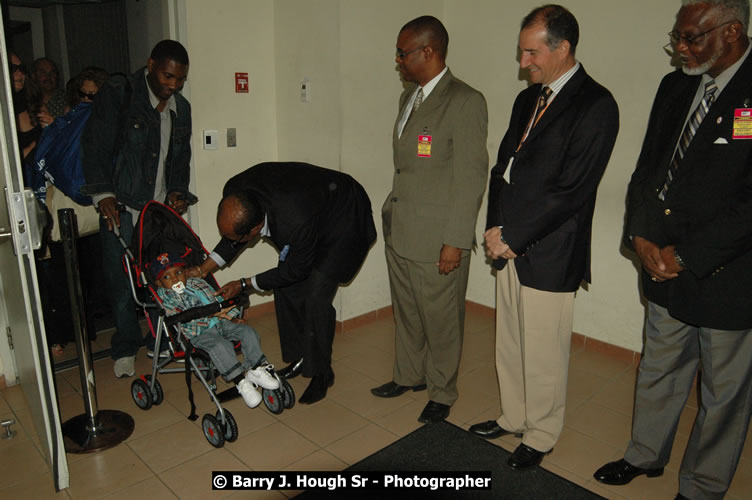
[(19, 291)]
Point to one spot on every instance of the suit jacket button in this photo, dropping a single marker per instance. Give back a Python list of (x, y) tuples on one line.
[(394, 199), (667, 211), (398, 170)]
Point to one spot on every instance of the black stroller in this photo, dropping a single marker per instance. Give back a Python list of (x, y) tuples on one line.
[(160, 229)]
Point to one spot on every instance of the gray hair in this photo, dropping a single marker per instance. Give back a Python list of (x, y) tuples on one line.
[(735, 9)]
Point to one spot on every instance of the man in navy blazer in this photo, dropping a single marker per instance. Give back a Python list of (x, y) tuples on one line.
[(689, 219), (540, 209), (321, 223)]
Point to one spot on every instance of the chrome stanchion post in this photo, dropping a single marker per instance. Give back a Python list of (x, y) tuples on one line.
[(94, 430)]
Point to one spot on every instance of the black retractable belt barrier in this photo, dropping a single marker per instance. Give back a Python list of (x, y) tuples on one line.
[(95, 429)]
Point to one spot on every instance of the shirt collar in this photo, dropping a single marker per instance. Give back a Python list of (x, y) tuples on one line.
[(154, 100), (265, 230), (722, 80), (428, 87), (559, 83)]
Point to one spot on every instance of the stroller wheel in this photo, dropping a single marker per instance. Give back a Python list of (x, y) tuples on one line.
[(231, 429), (213, 431), (157, 394), (288, 395), (273, 400), (141, 394)]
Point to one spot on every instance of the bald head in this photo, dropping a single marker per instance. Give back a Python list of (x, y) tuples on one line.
[(239, 217)]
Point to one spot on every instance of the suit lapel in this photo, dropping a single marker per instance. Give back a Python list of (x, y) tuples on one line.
[(560, 103), (675, 109), (430, 103), (734, 95), (433, 101)]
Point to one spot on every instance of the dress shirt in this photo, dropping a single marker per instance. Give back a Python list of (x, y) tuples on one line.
[(427, 89)]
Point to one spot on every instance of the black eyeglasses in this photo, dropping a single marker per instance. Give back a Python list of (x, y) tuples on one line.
[(87, 95), (402, 54), (676, 38), (17, 67)]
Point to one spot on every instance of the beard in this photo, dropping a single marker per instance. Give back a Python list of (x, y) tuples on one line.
[(703, 68)]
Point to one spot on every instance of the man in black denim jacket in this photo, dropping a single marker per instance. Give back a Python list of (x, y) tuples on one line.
[(136, 148)]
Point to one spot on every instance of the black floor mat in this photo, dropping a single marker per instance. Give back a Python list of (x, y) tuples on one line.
[(445, 447)]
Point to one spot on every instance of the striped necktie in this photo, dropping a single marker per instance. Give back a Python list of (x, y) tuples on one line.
[(690, 129), (539, 109)]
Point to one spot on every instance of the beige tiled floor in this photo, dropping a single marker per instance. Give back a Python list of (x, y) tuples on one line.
[(168, 457)]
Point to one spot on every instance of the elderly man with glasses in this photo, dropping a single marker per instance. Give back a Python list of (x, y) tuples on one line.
[(321, 223), (689, 219)]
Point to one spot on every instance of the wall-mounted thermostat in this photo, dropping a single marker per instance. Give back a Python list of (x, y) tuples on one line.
[(211, 139)]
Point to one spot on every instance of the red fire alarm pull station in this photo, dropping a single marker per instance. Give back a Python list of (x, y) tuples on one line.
[(241, 83)]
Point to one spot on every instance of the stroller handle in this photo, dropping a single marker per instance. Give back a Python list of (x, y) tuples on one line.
[(207, 310)]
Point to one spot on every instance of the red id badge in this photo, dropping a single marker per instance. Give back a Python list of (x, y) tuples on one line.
[(742, 123), (424, 146)]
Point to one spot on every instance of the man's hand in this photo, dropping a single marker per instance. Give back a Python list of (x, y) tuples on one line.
[(177, 202), (449, 259), (659, 263), (495, 248), (44, 117), (668, 255), (109, 212), (202, 271), (224, 313), (230, 290)]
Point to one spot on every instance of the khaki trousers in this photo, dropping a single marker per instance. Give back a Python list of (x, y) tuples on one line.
[(533, 335), (429, 316)]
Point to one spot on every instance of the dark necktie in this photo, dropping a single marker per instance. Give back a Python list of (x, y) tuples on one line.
[(690, 129)]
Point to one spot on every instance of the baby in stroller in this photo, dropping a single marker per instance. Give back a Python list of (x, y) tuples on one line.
[(216, 334)]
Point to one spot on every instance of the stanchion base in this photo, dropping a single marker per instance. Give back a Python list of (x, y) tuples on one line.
[(113, 427)]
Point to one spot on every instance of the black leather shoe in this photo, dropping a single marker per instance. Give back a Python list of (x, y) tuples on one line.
[(392, 389), (622, 472), (490, 430), (292, 370), (434, 412), (316, 390), (525, 457), (679, 496)]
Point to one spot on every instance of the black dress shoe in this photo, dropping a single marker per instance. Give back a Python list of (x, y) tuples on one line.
[(622, 472), (525, 457), (392, 389), (679, 496), (316, 390), (434, 412), (490, 430), (292, 370)]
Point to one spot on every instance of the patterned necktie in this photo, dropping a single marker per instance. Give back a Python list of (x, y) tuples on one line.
[(539, 109), (418, 100), (416, 104), (690, 129)]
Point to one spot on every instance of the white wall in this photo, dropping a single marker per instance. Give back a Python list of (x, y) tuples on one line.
[(346, 49), (224, 38)]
